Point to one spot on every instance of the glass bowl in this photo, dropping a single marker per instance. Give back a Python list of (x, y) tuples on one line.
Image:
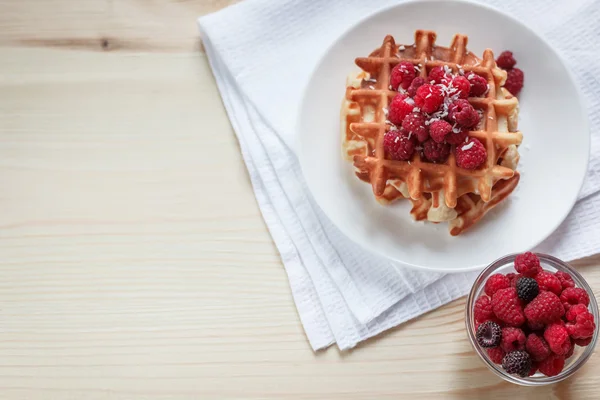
[(581, 354)]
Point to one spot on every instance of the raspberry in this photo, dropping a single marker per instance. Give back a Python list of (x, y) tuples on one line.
[(438, 75), (511, 277), (415, 84), (571, 350), (517, 362), (439, 129), (463, 113), (537, 347), (514, 81), (398, 145), (507, 307), (462, 84), (483, 309), (457, 136), (489, 334), (528, 264), (558, 339), (506, 60), (436, 152), (527, 289), (552, 365), (414, 124), (496, 354), (574, 311), (479, 85), (544, 309), (402, 75), (399, 108), (495, 283), (549, 282), (429, 98), (471, 155), (573, 296), (534, 368), (565, 279), (512, 339), (583, 342), (583, 327)]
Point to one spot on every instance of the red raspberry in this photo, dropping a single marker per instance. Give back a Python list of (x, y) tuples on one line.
[(544, 309), (399, 108), (506, 60), (495, 283), (551, 366), (511, 277), (583, 342), (439, 129), (549, 282), (463, 113), (414, 124), (507, 307), (470, 155), (438, 75), (415, 84), (496, 354), (462, 84), (514, 81), (565, 279), (436, 152), (398, 145), (571, 350), (537, 347), (483, 309), (457, 136), (429, 98), (479, 85), (534, 368), (528, 264), (574, 311), (558, 338), (583, 327), (402, 75), (512, 339), (573, 296)]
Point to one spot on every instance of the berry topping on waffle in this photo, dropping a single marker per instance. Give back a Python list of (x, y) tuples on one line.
[(438, 120)]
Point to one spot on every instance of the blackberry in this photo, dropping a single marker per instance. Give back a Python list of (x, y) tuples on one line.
[(527, 289), (489, 334), (517, 362)]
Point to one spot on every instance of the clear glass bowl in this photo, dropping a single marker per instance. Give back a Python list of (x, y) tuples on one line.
[(580, 356)]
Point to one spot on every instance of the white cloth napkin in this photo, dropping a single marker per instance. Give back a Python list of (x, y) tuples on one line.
[(261, 52)]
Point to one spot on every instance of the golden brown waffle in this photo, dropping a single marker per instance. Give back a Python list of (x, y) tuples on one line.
[(435, 189)]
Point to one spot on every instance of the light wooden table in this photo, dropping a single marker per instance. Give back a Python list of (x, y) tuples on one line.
[(134, 263)]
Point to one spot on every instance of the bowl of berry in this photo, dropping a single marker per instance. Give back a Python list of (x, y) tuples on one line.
[(532, 319)]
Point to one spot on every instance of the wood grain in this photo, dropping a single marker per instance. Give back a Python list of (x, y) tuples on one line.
[(134, 260)]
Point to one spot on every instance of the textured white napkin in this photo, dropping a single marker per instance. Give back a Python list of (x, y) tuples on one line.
[(261, 53)]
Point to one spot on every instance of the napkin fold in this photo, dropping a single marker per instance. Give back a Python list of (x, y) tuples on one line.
[(261, 53)]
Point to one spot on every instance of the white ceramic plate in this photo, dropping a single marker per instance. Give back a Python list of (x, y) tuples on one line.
[(554, 154)]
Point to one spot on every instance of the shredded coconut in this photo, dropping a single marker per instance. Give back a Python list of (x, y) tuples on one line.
[(385, 110), (428, 96), (471, 76), (396, 139), (467, 146), (371, 87), (371, 80), (416, 109), (461, 71), (401, 47)]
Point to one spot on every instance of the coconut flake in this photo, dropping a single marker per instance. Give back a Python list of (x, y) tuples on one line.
[(371, 80), (428, 96), (371, 87), (401, 47), (385, 110), (467, 146), (416, 109)]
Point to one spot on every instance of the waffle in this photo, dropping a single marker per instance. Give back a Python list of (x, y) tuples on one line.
[(438, 192)]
